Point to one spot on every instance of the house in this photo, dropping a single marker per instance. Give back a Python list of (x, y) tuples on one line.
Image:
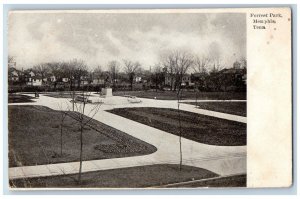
[(35, 81), (169, 80), (12, 64), (199, 79), (65, 79), (244, 78), (52, 78), (138, 79), (186, 80), (84, 80), (13, 75), (233, 71), (31, 74), (97, 81), (233, 78)]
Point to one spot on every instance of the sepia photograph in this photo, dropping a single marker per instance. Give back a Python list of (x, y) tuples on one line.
[(127, 99)]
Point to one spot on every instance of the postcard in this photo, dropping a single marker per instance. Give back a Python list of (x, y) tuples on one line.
[(149, 99)]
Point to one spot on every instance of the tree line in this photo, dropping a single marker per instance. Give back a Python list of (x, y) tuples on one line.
[(174, 65)]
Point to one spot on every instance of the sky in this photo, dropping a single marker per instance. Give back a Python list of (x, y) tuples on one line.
[(98, 38)]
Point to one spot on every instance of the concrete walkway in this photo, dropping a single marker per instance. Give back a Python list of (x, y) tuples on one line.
[(223, 160)]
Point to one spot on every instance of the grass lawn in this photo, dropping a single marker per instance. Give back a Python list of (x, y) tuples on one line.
[(132, 177), (34, 138), (197, 127), (235, 108), (17, 98), (232, 181), (170, 95)]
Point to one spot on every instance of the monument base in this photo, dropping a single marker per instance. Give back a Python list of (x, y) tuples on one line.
[(107, 92)]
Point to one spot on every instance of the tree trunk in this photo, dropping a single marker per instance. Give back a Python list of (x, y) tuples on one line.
[(81, 138), (73, 99), (196, 98), (71, 85), (114, 81), (180, 133), (61, 139), (80, 157), (78, 86)]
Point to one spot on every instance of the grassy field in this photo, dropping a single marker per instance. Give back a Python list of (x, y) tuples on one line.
[(197, 127), (235, 108), (17, 98), (34, 138), (170, 95), (132, 177)]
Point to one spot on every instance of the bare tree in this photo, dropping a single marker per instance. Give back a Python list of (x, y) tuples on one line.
[(201, 64), (168, 61), (215, 78), (131, 68), (42, 69), (113, 68), (74, 70), (67, 70), (80, 70), (84, 116), (216, 66), (180, 129), (177, 64), (55, 70), (97, 71), (157, 76), (98, 75), (184, 63)]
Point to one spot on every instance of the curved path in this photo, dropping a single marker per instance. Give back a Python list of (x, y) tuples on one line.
[(223, 160)]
